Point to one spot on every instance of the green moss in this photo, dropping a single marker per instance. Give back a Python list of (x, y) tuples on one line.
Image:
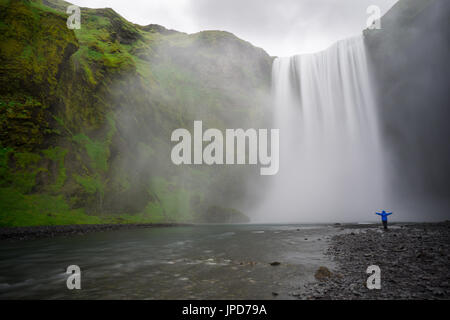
[(58, 155), (26, 53), (5, 176), (61, 122), (27, 167), (155, 211), (39, 7), (100, 50), (172, 202), (26, 159), (98, 150), (18, 210), (23, 123), (91, 184)]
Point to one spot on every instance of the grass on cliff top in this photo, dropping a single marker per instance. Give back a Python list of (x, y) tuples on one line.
[(101, 44)]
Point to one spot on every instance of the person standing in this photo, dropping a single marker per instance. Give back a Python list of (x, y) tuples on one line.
[(384, 218)]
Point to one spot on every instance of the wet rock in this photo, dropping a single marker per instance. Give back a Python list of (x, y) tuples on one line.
[(275, 263), (322, 273)]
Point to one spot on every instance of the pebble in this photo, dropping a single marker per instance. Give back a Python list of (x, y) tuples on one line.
[(413, 263)]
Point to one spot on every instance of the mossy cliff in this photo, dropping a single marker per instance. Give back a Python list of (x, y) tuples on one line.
[(86, 116)]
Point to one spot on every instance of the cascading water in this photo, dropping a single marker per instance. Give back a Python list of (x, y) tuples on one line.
[(330, 154)]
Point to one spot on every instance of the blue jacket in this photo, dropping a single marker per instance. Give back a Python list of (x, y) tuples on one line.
[(383, 215)]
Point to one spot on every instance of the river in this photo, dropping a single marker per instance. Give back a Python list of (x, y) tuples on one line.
[(189, 262)]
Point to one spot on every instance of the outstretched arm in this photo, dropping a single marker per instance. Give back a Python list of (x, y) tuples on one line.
[(378, 213), (388, 214)]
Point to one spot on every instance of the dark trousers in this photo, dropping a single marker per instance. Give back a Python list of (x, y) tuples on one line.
[(385, 225)]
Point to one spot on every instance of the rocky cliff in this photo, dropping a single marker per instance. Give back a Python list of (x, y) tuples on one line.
[(409, 56)]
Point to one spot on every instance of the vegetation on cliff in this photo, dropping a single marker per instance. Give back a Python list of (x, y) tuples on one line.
[(86, 116)]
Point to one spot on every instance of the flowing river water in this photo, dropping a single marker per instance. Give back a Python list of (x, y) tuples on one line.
[(190, 262)]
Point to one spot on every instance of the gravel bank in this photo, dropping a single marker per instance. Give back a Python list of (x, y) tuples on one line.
[(413, 258), (26, 233)]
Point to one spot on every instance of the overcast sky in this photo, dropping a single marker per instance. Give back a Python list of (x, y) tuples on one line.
[(281, 27)]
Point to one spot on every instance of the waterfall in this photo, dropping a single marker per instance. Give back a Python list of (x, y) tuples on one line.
[(330, 152)]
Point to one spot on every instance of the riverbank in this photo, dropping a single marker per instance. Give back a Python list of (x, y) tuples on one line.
[(413, 258), (37, 232)]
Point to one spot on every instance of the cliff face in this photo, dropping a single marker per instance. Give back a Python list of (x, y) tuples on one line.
[(409, 58), (86, 115)]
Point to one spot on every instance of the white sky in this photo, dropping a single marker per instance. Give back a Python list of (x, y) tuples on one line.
[(281, 27)]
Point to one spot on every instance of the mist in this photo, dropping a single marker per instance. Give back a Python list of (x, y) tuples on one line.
[(184, 86), (354, 136)]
